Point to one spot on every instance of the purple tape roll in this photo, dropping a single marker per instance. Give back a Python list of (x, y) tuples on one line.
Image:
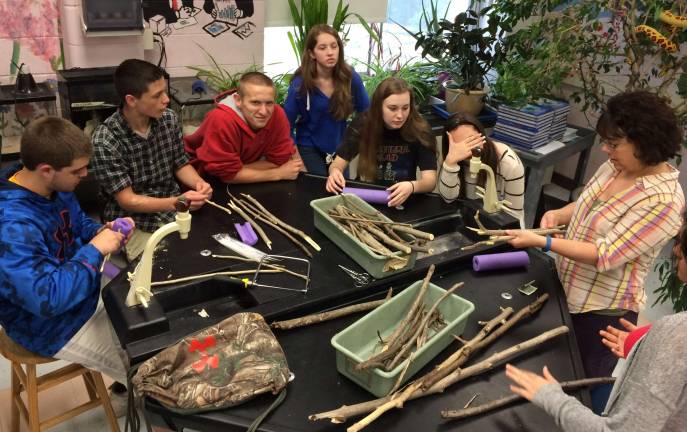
[(375, 196), (122, 225), (500, 261)]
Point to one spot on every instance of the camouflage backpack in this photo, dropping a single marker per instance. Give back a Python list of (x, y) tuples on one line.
[(218, 367)]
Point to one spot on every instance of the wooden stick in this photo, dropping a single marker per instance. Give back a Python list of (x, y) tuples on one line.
[(476, 344), (507, 400), (218, 206), (272, 266), (264, 219), (404, 324), (374, 221), (424, 324), (500, 232), (414, 232), (341, 414), (388, 240), (330, 315), (283, 224), (250, 220), (209, 275)]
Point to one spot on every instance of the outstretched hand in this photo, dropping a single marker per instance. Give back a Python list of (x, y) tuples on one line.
[(614, 338), (528, 383)]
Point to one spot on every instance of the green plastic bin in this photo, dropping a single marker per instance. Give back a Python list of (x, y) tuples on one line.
[(375, 264), (359, 341)]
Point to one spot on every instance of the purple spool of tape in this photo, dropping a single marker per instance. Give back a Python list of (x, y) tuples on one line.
[(500, 261), (246, 233), (122, 225), (375, 196)]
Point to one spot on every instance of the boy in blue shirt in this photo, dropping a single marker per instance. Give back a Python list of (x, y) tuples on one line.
[(50, 252)]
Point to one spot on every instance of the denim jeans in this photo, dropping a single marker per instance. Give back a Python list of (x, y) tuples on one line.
[(315, 161)]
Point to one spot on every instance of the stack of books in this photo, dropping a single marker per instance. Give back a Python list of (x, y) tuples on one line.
[(528, 127), (560, 116)]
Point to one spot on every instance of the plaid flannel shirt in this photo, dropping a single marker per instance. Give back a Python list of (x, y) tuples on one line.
[(122, 158), (629, 230)]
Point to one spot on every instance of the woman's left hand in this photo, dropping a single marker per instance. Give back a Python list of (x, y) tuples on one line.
[(524, 239), (528, 383), (399, 193)]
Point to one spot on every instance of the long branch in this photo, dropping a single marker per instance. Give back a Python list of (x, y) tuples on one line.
[(340, 415), (283, 224), (508, 400), (330, 315), (403, 325), (265, 219), (453, 362)]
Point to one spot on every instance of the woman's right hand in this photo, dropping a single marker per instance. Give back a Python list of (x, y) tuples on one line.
[(459, 151), (336, 181)]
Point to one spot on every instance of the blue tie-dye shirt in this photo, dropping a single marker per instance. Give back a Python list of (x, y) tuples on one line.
[(49, 279)]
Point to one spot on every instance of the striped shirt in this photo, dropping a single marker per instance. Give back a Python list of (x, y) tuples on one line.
[(629, 230), (510, 180)]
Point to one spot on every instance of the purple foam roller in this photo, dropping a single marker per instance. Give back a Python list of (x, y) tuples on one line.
[(375, 196), (246, 233), (500, 261)]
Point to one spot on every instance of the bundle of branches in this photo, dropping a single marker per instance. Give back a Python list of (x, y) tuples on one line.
[(252, 211), (450, 372), (412, 331), (497, 236), (379, 234)]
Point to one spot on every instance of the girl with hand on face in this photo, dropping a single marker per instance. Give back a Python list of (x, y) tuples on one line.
[(323, 93), (393, 141), (463, 133), (626, 213)]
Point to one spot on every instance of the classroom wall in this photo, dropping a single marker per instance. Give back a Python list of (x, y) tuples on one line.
[(29, 33)]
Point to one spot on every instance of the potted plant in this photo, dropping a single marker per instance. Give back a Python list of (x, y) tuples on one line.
[(601, 48), (217, 77), (467, 48), (313, 12), (419, 76)]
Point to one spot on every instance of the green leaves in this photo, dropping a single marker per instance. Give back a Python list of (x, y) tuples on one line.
[(671, 288), (313, 12)]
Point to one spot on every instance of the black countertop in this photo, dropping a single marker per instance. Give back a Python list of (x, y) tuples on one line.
[(318, 386)]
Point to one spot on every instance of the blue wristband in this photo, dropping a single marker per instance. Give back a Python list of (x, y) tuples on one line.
[(548, 244)]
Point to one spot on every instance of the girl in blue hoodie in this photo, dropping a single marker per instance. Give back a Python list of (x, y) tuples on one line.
[(323, 94)]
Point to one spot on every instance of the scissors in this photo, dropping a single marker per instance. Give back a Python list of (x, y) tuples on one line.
[(360, 279)]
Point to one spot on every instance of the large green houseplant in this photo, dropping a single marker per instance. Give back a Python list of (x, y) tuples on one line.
[(308, 13), (466, 47), (600, 48)]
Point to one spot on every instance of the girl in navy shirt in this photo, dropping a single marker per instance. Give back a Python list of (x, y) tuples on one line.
[(393, 142)]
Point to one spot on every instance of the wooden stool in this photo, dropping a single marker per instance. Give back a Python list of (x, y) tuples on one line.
[(26, 380)]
